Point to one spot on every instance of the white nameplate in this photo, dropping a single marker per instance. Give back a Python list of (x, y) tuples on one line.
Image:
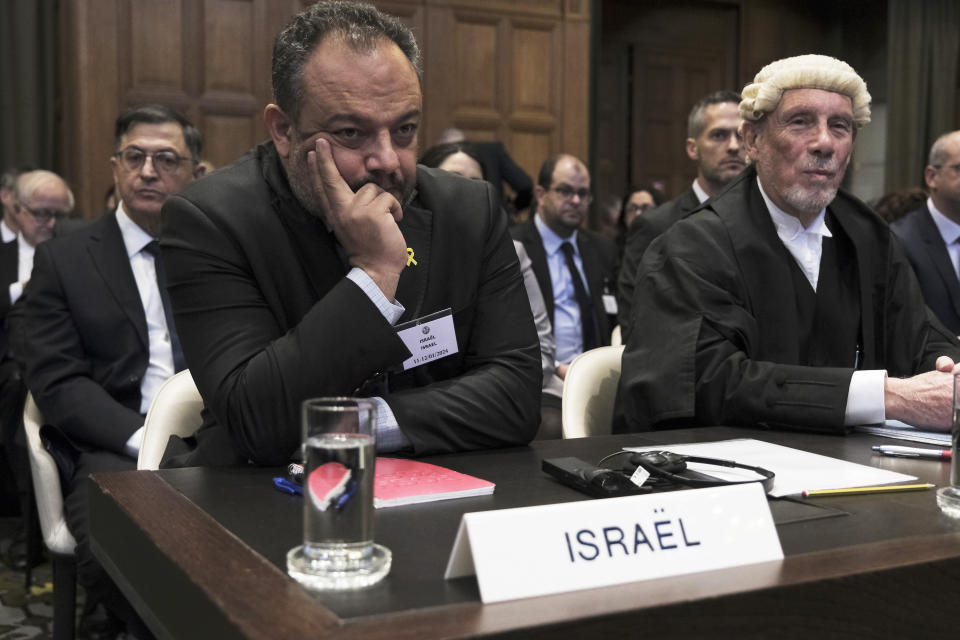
[(429, 338), (534, 551)]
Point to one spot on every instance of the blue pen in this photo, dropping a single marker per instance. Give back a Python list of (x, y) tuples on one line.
[(284, 485)]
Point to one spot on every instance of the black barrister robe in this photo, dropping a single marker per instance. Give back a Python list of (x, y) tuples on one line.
[(716, 336)]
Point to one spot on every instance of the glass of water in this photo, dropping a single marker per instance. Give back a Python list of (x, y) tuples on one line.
[(948, 498), (338, 551)]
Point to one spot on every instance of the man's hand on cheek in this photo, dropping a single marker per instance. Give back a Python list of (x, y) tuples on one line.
[(364, 222)]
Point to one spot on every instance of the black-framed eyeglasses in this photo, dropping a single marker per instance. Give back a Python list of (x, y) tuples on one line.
[(637, 208), (164, 161), (43, 215), (567, 192)]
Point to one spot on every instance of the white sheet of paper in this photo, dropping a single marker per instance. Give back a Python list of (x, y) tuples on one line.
[(795, 470)]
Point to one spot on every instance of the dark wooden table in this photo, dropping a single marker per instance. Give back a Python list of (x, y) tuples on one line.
[(201, 554)]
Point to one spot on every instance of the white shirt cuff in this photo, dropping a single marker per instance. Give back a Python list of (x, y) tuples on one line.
[(865, 398), (132, 448), (390, 310), (389, 436)]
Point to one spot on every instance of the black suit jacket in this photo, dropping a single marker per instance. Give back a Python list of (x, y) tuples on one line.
[(928, 254), (87, 332), (9, 271), (599, 256), (717, 338), (267, 319), (644, 229)]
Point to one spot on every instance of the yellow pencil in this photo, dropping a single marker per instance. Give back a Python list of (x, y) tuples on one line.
[(856, 490)]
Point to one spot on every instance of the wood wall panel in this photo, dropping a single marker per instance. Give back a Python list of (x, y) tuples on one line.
[(227, 136), (154, 38), (530, 149), (476, 72), (228, 58), (517, 72), (534, 82)]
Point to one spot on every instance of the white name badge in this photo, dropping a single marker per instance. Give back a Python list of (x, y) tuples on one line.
[(609, 303), (428, 338), (534, 551)]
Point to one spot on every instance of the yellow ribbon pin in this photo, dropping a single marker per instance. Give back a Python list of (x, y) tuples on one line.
[(410, 259)]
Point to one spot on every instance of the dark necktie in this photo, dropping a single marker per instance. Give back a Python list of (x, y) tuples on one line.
[(587, 321), (153, 248)]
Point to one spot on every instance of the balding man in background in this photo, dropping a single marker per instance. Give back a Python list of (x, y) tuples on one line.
[(784, 301), (931, 234), (40, 198), (576, 270)]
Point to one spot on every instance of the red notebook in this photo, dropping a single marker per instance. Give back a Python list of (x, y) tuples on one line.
[(399, 481)]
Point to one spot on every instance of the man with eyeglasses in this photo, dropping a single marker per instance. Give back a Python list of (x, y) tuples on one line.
[(39, 199), (100, 328), (576, 269), (931, 234), (713, 142), (8, 183)]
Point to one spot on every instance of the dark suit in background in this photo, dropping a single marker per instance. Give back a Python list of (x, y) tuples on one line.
[(599, 256), (643, 230), (267, 318), (928, 254), (85, 324)]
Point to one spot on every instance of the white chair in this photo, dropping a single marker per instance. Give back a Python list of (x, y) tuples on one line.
[(175, 411), (589, 390), (53, 525), (616, 337)]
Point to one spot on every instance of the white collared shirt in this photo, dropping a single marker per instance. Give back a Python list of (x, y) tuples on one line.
[(865, 395), (702, 195), (25, 253), (160, 365), (8, 234), (949, 231), (804, 244)]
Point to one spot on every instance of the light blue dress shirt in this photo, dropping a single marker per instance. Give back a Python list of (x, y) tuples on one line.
[(567, 329), (389, 436)]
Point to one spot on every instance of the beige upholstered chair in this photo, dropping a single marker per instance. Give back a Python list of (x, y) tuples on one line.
[(175, 410), (616, 338), (53, 525), (589, 391)]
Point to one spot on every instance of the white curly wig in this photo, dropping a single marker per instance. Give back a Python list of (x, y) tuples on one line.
[(804, 72)]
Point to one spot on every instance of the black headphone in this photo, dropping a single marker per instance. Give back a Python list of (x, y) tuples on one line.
[(668, 465)]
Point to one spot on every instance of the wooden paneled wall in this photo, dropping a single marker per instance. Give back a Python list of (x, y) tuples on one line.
[(517, 72), (209, 59)]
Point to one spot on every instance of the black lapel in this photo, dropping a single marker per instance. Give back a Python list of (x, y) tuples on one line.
[(592, 268), (538, 261), (109, 255), (860, 236), (417, 229), (9, 262), (939, 256), (767, 273)]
